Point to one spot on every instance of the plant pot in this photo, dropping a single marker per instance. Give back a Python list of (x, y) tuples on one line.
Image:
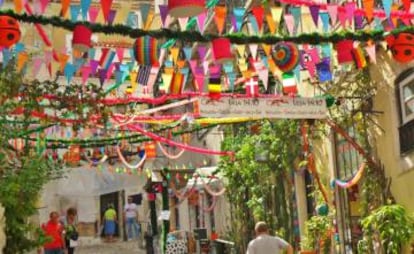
[(307, 252)]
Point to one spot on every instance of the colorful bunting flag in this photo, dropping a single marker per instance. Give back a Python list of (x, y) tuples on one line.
[(220, 17)]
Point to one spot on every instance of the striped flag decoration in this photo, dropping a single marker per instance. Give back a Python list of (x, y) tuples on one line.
[(143, 74)]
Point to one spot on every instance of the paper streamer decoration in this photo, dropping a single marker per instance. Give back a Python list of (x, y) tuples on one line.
[(122, 158), (354, 180), (168, 155), (286, 55)]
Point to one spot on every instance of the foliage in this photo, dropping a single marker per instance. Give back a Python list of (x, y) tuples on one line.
[(261, 190), (317, 235), (23, 172), (389, 226)]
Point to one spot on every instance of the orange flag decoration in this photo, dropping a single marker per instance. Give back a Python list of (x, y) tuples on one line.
[(369, 9), (18, 6), (220, 17), (65, 7)]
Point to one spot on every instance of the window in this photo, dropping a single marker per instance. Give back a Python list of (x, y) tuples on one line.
[(405, 96)]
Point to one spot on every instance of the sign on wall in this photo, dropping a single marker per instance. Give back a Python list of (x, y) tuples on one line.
[(283, 107)]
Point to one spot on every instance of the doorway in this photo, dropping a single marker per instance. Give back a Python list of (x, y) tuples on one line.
[(105, 201)]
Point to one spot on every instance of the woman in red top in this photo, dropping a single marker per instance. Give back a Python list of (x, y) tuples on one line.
[(53, 230)]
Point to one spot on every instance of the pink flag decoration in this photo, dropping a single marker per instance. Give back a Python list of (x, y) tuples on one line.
[(94, 66), (37, 64), (202, 50), (93, 13), (86, 71), (333, 12), (290, 23), (350, 9), (183, 23), (43, 5), (201, 20), (120, 54), (342, 16), (264, 77), (253, 50), (110, 71), (314, 10), (200, 79), (371, 50), (193, 66)]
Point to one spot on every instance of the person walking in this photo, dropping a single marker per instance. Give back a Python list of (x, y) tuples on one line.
[(265, 243), (54, 231), (71, 233), (110, 220), (131, 219)]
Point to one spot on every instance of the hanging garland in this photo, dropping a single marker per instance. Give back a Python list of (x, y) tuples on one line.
[(194, 36), (212, 206), (122, 158), (210, 191), (354, 180), (169, 156)]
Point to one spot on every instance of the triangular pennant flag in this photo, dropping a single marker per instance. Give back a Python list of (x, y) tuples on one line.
[(144, 8), (201, 20), (266, 48), (253, 50), (369, 9), (175, 51), (407, 5), (220, 14), (371, 51), (258, 13), (43, 5), (264, 77), (228, 67), (94, 66), (18, 6), (78, 62), (378, 23), (324, 70), (166, 81), (193, 66), (359, 21), (232, 79), (118, 77), (296, 12), (37, 64), (206, 65), (325, 21), (326, 50), (200, 80), (342, 16), (69, 72), (120, 54), (333, 12), (150, 18), (289, 83), (188, 51), (111, 16), (110, 71), (74, 12), (102, 76), (86, 71), (163, 13), (132, 20), (387, 4), (350, 9), (106, 7), (265, 61), (241, 49), (271, 23), (93, 13), (314, 10), (63, 59), (202, 50), (290, 23), (276, 12), (85, 5), (104, 54), (152, 78), (19, 47), (65, 6), (6, 56), (239, 14), (183, 23)]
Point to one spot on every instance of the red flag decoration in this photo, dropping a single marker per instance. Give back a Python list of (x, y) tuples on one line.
[(258, 13), (407, 5), (106, 8), (344, 51), (289, 83), (252, 87), (104, 54)]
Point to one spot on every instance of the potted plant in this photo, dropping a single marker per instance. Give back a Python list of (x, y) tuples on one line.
[(387, 229), (317, 236)]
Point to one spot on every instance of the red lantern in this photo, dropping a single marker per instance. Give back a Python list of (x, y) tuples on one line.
[(150, 150), (222, 49), (401, 46), (185, 8), (9, 31), (146, 50), (81, 38)]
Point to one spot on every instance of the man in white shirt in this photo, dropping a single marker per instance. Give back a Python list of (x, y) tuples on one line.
[(266, 244), (131, 219)]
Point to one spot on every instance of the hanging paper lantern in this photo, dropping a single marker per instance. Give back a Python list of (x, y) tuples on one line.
[(82, 38), (146, 51), (222, 50), (150, 150), (286, 56), (9, 31), (185, 8), (401, 46)]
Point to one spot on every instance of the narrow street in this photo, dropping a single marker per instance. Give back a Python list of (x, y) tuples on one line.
[(112, 248)]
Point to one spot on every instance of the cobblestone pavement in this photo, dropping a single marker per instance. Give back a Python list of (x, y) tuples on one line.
[(119, 247)]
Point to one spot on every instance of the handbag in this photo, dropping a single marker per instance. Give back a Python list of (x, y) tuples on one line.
[(73, 243)]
